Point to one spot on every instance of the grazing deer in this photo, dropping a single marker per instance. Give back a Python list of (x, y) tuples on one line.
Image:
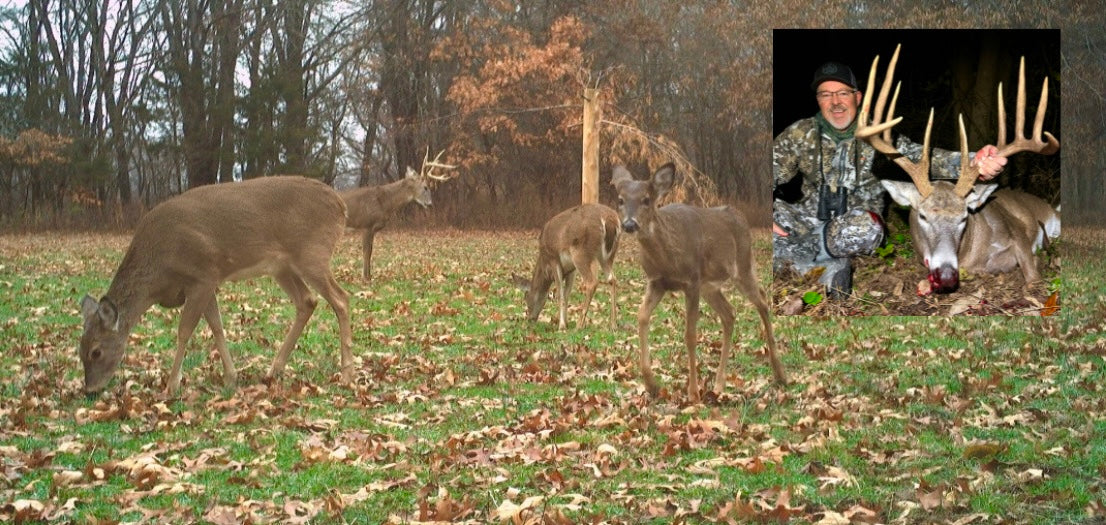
[(574, 240), (371, 207), (966, 225), (185, 247), (693, 250)]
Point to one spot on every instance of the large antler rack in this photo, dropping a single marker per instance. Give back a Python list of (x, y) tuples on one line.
[(428, 166), (1036, 144), (878, 131)]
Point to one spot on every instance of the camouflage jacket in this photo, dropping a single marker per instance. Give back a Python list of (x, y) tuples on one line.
[(846, 163)]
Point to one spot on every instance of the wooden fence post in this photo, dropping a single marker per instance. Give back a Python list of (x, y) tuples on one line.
[(589, 175)]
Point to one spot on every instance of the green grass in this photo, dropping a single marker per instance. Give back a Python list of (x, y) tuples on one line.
[(461, 410)]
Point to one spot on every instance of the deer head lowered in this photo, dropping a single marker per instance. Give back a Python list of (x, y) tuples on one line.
[(185, 247), (574, 240), (371, 207), (694, 250), (965, 225)]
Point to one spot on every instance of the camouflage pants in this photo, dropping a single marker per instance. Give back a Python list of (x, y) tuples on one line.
[(812, 243)]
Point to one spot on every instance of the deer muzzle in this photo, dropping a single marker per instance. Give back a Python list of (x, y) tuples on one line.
[(630, 225), (945, 279)]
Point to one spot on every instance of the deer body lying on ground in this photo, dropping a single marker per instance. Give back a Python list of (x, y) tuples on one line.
[(184, 248), (695, 251), (574, 241)]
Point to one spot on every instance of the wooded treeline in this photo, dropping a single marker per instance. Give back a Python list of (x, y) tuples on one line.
[(108, 107)]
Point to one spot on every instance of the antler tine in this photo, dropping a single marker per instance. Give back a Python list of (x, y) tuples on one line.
[(968, 173), (1036, 143), (429, 165), (870, 132)]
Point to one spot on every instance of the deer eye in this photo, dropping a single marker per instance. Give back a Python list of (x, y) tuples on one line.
[(645, 201), (95, 354)]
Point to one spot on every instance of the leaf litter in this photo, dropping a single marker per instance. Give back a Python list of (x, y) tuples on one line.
[(455, 417)]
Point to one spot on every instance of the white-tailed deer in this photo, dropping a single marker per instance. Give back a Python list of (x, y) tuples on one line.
[(371, 207), (693, 250), (185, 247), (573, 241), (965, 225)]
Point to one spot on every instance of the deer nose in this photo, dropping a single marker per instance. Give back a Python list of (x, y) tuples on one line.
[(945, 279), (629, 226)]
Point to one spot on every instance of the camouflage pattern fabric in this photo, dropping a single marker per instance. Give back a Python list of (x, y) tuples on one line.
[(857, 232)]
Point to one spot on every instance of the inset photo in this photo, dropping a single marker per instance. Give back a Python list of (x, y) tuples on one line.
[(916, 172)]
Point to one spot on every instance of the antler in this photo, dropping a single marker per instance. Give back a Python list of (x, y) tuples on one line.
[(870, 132), (1036, 144), (429, 165)]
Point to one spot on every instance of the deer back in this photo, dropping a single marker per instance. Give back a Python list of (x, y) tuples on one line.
[(589, 227), (233, 230)]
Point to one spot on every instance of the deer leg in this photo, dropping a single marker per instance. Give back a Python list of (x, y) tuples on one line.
[(211, 314), (717, 301), (610, 279), (367, 251), (194, 306), (1023, 253), (294, 286), (691, 302), (323, 282), (747, 283), (653, 296), (589, 282), (562, 295)]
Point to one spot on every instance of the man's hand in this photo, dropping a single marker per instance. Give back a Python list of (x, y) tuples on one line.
[(989, 162), (776, 229)]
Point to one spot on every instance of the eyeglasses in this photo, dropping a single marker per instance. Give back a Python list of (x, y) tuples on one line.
[(825, 95)]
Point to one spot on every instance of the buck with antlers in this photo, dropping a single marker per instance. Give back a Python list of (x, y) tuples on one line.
[(694, 250), (185, 247), (371, 207), (574, 240), (979, 228)]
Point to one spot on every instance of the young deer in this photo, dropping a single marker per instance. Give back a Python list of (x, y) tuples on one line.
[(371, 207), (965, 225), (693, 250), (184, 248), (574, 240)]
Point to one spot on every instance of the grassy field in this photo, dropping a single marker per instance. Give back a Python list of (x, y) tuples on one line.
[(463, 412)]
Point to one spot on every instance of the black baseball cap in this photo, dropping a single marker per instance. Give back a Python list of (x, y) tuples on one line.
[(834, 71)]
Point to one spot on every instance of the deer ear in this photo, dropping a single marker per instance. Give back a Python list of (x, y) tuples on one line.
[(904, 193), (89, 307), (108, 314), (663, 179), (979, 195), (620, 175)]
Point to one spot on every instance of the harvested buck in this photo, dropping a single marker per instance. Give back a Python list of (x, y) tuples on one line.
[(693, 250), (966, 225), (371, 207), (574, 240), (184, 248)]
